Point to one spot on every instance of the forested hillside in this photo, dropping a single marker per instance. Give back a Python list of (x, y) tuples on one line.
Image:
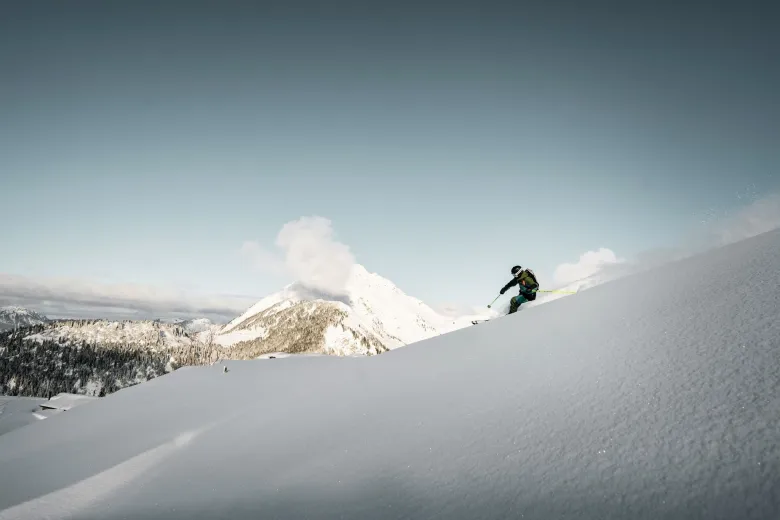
[(45, 367)]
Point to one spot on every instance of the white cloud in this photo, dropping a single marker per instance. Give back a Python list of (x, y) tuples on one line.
[(310, 253), (72, 297), (589, 264)]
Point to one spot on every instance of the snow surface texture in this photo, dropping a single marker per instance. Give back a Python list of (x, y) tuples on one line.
[(374, 316), (632, 399), (16, 412), (13, 317)]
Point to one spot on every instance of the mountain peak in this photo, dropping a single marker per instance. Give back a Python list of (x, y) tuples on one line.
[(371, 316), (13, 316), (362, 276)]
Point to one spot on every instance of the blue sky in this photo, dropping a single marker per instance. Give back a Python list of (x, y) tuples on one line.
[(145, 144)]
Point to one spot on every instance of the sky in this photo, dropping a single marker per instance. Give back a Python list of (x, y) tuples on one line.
[(156, 152)]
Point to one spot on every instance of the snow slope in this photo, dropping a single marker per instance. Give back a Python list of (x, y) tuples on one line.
[(630, 400), (13, 317), (373, 316)]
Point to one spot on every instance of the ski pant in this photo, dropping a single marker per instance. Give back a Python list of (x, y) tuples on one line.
[(520, 299)]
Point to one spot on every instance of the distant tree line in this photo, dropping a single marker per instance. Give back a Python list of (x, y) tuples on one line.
[(43, 368)]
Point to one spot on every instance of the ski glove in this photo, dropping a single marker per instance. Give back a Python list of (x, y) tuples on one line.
[(503, 290)]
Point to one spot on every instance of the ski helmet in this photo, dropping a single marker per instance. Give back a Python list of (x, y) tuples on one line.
[(516, 270)]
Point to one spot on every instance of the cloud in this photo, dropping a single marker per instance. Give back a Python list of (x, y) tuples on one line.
[(309, 253), (72, 297), (589, 264)]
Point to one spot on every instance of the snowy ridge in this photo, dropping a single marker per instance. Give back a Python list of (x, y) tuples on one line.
[(12, 317), (192, 325), (373, 316), (142, 334)]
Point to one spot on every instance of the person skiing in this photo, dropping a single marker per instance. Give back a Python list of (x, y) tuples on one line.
[(526, 280)]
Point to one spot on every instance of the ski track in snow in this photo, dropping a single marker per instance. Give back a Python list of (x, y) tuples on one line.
[(74, 499)]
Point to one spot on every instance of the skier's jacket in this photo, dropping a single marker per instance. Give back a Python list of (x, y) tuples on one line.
[(527, 283)]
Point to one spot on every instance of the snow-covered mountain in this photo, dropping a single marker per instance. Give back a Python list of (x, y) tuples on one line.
[(372, 316), (14, 317), (99, 356), (198, 325), (627, 401), (193, 325)]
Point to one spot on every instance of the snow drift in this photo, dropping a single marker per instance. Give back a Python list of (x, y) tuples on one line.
[(629, 400)]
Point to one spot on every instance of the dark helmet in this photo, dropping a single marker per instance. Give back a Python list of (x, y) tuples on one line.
[(516, 270)]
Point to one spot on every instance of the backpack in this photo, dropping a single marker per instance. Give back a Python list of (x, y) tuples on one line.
[(533, 277)]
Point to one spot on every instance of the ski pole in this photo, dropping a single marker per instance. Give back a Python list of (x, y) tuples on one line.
[(494, 301)]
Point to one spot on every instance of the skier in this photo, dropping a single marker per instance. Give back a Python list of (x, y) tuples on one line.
[(526, 280)]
